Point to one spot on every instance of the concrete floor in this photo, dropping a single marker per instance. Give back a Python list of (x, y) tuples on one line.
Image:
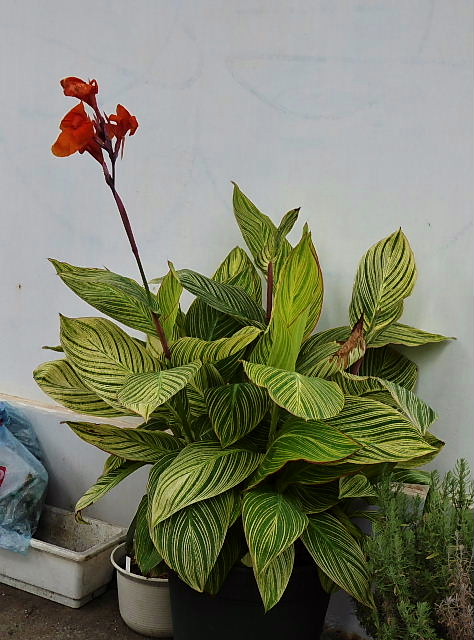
[(24, 616)]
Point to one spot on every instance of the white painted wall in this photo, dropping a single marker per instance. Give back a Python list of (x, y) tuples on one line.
[(360, 111)]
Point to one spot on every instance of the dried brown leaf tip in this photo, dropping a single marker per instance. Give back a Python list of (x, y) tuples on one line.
[(354, 347)]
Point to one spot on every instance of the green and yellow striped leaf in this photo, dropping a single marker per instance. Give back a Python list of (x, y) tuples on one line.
[(407, 336), (314, 499), (146, 554), (259, 233), (308, 398), (388, 364), (235, 410), (58, 379), (232, 549), (384, 433), (304, 473), (356, 487), (224, 297), (385, 364), (272, 522), (121, 298), (385, 277), (286, 224), (338, 555), (297, 305), (105, 483), (130, 444), (316, 442), (418, 412), (168, 297), (200, 471), (273, 580), (191, 539), (188, 350), (144, 392), (202, 321), (103, 355)]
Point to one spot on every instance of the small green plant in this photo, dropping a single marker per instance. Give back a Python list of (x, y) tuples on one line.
[(259, 432), (420, 561)]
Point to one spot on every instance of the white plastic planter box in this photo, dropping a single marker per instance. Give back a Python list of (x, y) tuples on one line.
[(68, 562)]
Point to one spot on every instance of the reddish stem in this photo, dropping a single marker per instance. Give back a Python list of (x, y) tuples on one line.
[(110, 180)]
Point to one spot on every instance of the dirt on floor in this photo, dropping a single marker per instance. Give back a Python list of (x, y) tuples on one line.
[(24, 616)]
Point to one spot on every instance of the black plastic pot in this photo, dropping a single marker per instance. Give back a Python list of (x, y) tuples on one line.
[(237, 613)]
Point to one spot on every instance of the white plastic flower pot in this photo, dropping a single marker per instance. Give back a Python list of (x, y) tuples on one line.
[(67, 562), (144, 603)]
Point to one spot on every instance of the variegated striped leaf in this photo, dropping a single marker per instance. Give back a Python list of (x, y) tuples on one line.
[(338, 555), (145, 552), (191, 539), (317, 474), (297, 305), (259, 233), (385, 277), (286, 224), (120, 298), (168, 297), (356, 487), (200, 471), (272, 522), (144, 392), (314, 499), (103, 355), (385, 364), (232, 549), (58, 379), (407, 336), (308, 398), (410, 476), (238, 269), (327, 359), (388, 364), (314, 442), (187, 350), (224, 297), (400, 398), (273, 580), (206, 323), (235, 410), (420, 461), (418, 412), (337, 334), (202, 321), (106, 482), (130, 444), (384, 434)]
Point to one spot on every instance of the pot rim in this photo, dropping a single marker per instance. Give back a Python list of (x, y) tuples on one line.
[(119, 550)]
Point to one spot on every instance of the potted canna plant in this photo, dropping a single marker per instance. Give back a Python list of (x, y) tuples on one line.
[(259, 432)]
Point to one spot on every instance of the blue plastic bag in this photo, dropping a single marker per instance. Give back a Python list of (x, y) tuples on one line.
[(23, 480)]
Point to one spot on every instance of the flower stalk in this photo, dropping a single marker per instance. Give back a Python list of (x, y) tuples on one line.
[(80, 133)]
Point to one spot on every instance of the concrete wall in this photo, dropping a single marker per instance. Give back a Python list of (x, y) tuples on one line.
[(359, 111)]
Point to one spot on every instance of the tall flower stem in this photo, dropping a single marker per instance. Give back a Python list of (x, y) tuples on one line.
[(110, 180)]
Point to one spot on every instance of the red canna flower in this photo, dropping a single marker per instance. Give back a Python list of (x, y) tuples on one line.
[(77, 88), (77, 134), (124, 123)]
